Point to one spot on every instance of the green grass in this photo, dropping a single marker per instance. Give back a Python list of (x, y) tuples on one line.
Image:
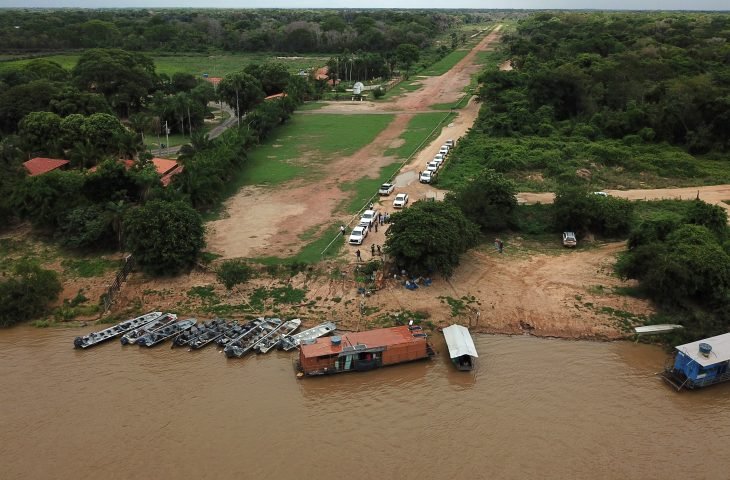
[(312, 106), (405, 86), (312, 252), (445, 64), (216, 65), (88, 267), (303, 147), (418, 131)]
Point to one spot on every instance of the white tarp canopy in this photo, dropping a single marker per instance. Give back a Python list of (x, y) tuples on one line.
[(459, 341)]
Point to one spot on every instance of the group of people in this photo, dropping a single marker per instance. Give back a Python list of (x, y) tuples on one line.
[(373, 248)]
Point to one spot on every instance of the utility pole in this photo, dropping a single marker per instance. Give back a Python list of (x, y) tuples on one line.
[(238, 110), (167, 138)]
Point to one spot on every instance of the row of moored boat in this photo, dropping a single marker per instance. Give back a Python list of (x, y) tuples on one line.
[(235, 338)]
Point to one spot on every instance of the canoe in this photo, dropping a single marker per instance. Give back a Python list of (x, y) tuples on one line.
[(265, 328), (293, 341), (96, 338), (662, 328), (162, 321), (214, 332), (155, 338), (287, 329)]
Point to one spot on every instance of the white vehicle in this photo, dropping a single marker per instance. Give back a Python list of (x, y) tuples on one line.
[(569, 239), (432, 167), (444, 151), (368, 218), (449, 143), (600, 194), (386, 189), (439, 156), (358, 235), (400, 200), (427, 177)]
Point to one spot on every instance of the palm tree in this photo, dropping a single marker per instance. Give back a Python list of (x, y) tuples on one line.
[(199, 141)]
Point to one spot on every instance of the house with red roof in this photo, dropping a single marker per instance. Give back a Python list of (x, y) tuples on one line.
[(166, 169), (39, 165)]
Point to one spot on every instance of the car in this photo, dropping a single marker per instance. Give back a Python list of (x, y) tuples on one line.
[(358, 235), (600, 194), (569, 239), (427, 176), (400, 200), (432, 167), (437, 162), (368, 218), (386, 189), (449, 143), (439, 156), (444, 151)]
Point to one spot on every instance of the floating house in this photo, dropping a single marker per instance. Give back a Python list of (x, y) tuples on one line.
[(701, 363), (462, 351), (362, 351)]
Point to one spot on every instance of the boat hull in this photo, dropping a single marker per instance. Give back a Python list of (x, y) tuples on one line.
[(95, 338)]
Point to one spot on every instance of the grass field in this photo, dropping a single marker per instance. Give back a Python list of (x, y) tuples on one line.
[(305, 145), (445, 64), (213, 65)]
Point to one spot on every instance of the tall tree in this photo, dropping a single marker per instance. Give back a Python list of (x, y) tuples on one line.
[(241, 91)]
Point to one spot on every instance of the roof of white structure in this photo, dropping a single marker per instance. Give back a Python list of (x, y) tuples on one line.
[(720, 350), (459, 341)]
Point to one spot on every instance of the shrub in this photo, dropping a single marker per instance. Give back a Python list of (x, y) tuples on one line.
[(232, 272), (27, 293)]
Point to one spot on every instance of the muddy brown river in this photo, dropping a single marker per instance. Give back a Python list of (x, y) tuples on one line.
[(534, 408)]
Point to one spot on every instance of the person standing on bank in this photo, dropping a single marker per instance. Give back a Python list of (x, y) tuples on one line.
[(357, 254)]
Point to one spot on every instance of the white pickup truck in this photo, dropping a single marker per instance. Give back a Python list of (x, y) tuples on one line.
[(427, 176)]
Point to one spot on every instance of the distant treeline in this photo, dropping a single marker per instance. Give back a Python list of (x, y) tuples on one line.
[(293, 31)]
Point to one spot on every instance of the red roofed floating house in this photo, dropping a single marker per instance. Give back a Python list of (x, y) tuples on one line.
[(39, 165), (362, 351)]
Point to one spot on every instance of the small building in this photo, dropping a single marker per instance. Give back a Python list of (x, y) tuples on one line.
[(166, 169), (212, 80), (39, 165), (701, 363), (362, 351)]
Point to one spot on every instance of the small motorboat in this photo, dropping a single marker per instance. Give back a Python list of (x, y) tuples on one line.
[(155, 338), (196, 331), (160, 322), (235, 331), (210, 334), (291, 342), (96, 338), (272, 341), (655, 329), (263, 330)]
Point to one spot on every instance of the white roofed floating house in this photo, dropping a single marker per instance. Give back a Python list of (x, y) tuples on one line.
[(462, 351), (701, 363)]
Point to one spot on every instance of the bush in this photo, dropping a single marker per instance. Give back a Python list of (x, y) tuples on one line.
[(232, 272), (378, 93), (27, 293)]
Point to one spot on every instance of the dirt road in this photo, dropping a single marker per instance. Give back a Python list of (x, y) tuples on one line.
[(268, 222)]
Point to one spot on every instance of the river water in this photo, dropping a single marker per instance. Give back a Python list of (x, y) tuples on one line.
[(534, 408)]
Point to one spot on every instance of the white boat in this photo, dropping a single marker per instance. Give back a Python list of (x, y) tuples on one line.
[(462, 351), (130, 338), (273, 340), (293, 341), (662, 328), (96, 338)]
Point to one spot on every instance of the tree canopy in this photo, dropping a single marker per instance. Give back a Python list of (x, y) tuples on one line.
[(429, 237)]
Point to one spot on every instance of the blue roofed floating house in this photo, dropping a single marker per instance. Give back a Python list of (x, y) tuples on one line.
[(701, 363)]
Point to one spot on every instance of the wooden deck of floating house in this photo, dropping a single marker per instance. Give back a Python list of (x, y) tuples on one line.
[(363, 350)]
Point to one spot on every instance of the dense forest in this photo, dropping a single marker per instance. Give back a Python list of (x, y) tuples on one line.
[(598, 100), (293, 31)]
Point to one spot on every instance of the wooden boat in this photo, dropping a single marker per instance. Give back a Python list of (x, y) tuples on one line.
[(287, 329), (651, 329), (96, 338), (160, 322), (293, 341), (210, 335), (265, 329), (462, 351), (186, 337), (155, 338)]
